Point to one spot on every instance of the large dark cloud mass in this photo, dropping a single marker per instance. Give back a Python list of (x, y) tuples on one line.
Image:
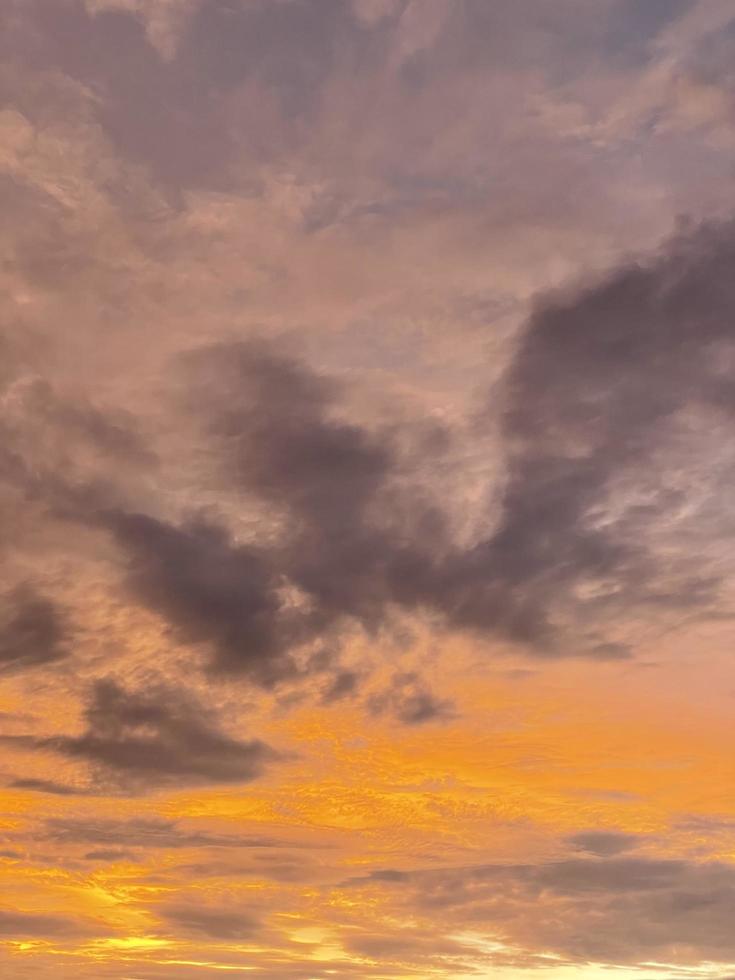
[(341, 555), (606, 399), (602, 407)]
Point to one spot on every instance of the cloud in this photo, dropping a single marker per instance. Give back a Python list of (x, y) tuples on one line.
[(410, 701), (164, 20), (172, 114), (410, 944), (372, 12), (210, 590), (149, 739), (361, 177), (216, 923), (33, 632), (614, 875), (580, 539), (109, 855), (631, 368), (380, 874), (270, 421), (44, 412), (58, 440), (275, 866), (275, 421), (342, 685), (15, 924), (614, 910), (354, 540), (47, 786), (603, 843), (145, 833)]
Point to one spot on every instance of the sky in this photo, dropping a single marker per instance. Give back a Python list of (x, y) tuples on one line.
[(367, 388)]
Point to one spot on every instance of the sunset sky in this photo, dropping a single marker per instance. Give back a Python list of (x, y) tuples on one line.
[(367, 579)]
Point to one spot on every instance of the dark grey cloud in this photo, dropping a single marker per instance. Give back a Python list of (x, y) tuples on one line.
[(635, 368), (110, 854), (47, 786), (275, 866), (143, 740), (602, 379), (216, 923), (145, 833), (604, 843), (616, 910), (33, 630), (380, 874), (603, 382), (630, 369), (15, 924), (607, 398), (342, 685), (272, 421), (211, 590), (614, 875), (409, 700), (278, 428)]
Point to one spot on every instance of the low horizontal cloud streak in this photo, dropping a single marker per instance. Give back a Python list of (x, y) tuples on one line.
[(616, 910)]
